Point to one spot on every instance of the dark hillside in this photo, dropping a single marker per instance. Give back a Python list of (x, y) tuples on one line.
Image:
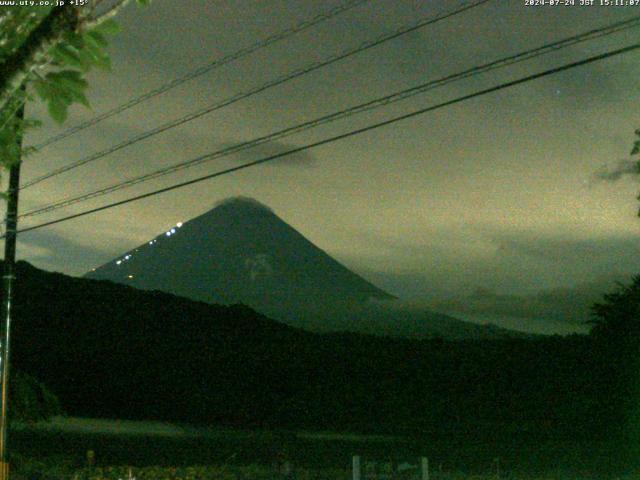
[(109, 350)]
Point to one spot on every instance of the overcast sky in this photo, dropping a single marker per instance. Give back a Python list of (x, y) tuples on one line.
[(522, 191)]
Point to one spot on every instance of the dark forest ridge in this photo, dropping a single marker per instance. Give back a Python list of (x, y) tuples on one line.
[(128, 353)]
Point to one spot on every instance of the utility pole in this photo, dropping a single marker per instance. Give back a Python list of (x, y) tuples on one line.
[(8, 278)]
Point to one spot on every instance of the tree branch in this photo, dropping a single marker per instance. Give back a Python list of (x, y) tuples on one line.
[(15, 69), (106, 15)]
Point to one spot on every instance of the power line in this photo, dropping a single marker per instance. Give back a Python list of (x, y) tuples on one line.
[(344, 135), (243, 95), (386, 100), (219, 62)]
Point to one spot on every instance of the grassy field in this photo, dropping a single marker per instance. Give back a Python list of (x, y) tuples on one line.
[(252, 472), (154, 443), (152, 450)]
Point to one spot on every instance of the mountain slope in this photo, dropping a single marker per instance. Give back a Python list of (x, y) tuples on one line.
[(242, 252), (109, 350)]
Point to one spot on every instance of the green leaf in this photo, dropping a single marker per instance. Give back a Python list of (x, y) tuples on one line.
[(96, 38), (69, 83), (103, 62), (72, 78), (636, 144), (58, 110), (95, 55), (95, 47), (42, 89), (108, 27), (143, 3), (81, 98), (67, 55), (86, 60), (74, 39)]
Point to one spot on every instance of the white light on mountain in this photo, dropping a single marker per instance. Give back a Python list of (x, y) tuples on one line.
[(179, 224), (168, 234), (130, 276), (173, 230), (150, 243), (127, 257), (118, 262)]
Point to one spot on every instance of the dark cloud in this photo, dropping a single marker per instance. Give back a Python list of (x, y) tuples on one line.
[(591, 256), (575, 89), (615, 171), (568, 304), (247, 201), (52, 251), (510, 288)]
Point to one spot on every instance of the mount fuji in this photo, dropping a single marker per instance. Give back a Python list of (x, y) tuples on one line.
[(242, 252)]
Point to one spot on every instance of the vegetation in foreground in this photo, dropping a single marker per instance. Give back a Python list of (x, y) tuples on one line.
[(245, 454), (251, 472)]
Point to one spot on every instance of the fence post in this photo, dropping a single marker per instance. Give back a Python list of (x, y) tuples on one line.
[(424, 464), (356, 467)]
